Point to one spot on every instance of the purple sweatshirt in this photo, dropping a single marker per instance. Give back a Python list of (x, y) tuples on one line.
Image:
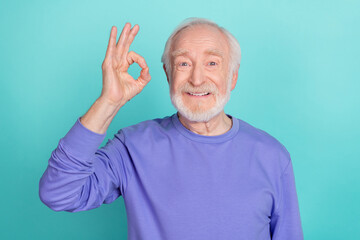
[(177, 184)]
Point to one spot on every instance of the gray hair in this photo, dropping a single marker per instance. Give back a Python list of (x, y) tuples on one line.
[(235, 51)]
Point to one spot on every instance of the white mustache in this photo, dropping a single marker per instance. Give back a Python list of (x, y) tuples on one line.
[(210, 88)]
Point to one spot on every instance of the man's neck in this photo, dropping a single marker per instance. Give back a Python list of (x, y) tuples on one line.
[(218, 125)]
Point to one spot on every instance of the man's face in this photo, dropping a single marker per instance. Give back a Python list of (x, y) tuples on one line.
[(200, 82)]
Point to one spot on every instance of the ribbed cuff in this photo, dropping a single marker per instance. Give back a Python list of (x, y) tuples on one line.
[(81, 141)]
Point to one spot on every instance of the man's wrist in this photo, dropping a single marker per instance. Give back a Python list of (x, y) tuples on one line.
[(100, 115)]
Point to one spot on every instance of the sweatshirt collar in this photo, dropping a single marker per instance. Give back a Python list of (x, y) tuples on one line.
[(206, 139)]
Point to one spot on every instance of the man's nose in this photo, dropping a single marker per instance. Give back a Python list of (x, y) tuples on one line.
[(197, 76)]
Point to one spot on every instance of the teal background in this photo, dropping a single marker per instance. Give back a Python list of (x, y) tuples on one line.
[(298, 80)]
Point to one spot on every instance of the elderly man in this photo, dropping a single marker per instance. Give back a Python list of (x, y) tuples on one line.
[(197, 174)]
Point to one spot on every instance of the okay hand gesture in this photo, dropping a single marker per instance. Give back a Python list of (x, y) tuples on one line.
[(118, 86)]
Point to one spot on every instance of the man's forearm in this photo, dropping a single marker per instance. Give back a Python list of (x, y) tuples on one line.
[(99, 116)]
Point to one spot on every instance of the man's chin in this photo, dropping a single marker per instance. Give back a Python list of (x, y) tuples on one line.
[(195, 113), (203, 115)]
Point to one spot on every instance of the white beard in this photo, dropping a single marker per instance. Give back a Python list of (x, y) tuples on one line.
[(201, 115)]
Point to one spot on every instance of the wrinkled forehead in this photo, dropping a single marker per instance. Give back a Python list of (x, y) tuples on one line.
[(197, 35)]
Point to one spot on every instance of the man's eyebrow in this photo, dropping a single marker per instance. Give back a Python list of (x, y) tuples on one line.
[(211, 51), (179, 52), (215, 52)]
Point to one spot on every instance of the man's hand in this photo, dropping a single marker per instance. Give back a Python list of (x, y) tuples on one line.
[(118, 86)]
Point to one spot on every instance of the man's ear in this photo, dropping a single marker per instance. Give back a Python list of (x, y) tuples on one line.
[(167, 77), (235, 77)]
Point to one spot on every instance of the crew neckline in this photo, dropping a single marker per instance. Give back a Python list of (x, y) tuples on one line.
[(206, 139)]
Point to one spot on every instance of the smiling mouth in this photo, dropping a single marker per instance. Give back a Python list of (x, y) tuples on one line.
[(198, 94)]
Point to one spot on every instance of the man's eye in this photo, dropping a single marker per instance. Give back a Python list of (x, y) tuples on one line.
[(183, 64), (212, 63)]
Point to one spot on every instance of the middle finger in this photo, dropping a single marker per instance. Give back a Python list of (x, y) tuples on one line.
[(128, 41), (131, 37)]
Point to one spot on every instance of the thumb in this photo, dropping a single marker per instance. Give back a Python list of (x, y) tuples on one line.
[(144, 77)]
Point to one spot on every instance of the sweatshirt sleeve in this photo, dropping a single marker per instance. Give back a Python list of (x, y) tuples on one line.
[(285, 221), (80, 176)]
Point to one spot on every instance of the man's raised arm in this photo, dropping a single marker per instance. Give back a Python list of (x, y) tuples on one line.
[(118, 86), (79, 175)]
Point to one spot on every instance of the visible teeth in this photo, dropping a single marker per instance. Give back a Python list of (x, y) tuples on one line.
[(198, 94)]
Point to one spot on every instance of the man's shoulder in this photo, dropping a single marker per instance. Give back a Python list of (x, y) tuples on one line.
[(268, 149), (261, 138), (150, 126)]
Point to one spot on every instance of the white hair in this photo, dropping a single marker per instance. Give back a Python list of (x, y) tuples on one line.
[(235, 51)]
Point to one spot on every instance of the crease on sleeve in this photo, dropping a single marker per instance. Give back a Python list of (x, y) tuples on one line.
[(80, 176), (111, 175)]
